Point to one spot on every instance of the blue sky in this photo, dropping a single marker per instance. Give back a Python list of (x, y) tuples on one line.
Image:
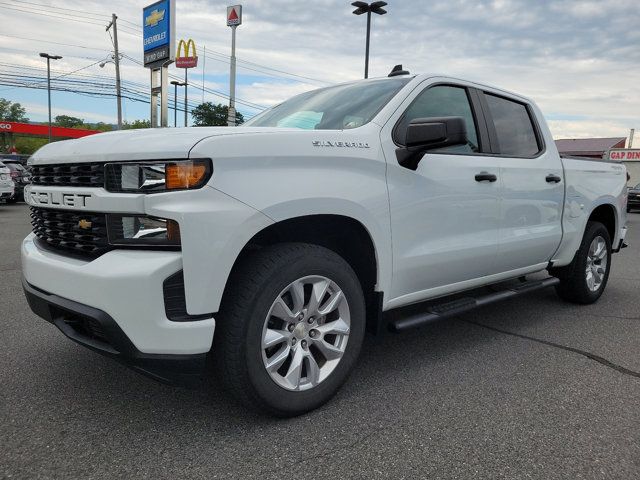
[(578, 59)]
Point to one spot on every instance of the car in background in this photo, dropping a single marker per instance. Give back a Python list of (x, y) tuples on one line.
[(7, 187), (20, 176), (633, 198)]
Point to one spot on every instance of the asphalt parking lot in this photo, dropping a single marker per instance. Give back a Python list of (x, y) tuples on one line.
[(530, 388)]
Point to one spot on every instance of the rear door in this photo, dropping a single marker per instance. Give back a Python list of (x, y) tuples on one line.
[(532, 184), (444, 215)]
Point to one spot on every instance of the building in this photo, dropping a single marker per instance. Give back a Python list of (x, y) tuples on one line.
[(589, 147)]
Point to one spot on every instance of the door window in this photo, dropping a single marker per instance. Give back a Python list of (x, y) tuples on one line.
[(441, 101), (516, 134)]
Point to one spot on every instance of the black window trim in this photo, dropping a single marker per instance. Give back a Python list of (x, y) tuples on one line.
[(479, 118), (493, 133)]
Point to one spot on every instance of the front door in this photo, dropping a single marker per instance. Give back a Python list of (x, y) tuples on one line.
[(445, 214)]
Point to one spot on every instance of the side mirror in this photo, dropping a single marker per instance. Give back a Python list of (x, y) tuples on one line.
[(435, 132), (429, 133)]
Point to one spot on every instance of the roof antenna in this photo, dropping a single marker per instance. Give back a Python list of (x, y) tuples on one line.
[(397, 70)]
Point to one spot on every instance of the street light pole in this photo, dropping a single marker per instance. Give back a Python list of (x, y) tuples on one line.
[(363, 7), (49, 58), (186, 86), (177, 84)]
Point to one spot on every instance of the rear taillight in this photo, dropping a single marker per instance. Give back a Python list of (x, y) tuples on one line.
[(14, 174)]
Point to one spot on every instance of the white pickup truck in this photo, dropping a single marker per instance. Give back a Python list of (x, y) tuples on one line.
[(274, 246)]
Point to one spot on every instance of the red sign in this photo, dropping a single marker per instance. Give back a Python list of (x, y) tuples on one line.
[(43, 130), (186, 60), (234, 15), (624, 154)]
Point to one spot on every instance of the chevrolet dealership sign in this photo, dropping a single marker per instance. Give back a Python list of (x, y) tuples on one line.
[(158, 21)]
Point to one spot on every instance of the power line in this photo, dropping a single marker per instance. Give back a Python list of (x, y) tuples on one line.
[(61, 8), (48, 11), (246, 103), (52, 16), (53, 43)]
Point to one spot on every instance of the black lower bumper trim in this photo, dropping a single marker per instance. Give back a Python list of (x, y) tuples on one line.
[(96, 330)]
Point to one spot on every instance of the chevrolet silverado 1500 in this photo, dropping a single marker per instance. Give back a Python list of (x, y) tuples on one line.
[(272, 247)]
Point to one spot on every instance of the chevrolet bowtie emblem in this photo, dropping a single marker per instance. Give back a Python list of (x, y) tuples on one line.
[(84, 224), (154, 18)]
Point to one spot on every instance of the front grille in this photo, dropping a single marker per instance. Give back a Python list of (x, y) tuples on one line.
[(69, 175), (61, 230)]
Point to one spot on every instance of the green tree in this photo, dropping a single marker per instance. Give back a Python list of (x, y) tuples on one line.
[(136, 124), (69, 122), (12, 112), (208, 114), (100, 126), (28, 145)]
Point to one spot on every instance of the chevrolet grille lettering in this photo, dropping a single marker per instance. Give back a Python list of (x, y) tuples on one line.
[(54, 199)]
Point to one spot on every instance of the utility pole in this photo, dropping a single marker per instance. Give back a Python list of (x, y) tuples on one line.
[(631, 133), (49, 58), (116, 61)]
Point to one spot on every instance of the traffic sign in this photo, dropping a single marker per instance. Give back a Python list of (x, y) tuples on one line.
[(234, 15)]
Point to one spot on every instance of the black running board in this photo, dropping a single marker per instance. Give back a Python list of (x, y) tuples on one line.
[(462, 305)]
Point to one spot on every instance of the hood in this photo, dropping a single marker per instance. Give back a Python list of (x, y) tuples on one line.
[(142, 144)]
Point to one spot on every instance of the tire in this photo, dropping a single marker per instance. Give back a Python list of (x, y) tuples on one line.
[(577, 285), (252, 315)]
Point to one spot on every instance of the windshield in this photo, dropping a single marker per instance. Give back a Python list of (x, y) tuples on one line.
[(637, 187), (332, 108)]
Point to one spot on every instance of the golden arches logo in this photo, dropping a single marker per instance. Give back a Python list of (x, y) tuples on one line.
[(187, 60), (187, 48)]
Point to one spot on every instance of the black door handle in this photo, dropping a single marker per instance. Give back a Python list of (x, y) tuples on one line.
[(551, 178), (486, 177)]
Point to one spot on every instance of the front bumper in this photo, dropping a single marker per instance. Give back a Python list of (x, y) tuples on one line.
[(98, 331), (126, 285)]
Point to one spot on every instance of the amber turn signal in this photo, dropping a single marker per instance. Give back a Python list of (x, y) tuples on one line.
[(185, 175)]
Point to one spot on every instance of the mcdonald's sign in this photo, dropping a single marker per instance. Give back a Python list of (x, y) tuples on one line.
[(186, 60)]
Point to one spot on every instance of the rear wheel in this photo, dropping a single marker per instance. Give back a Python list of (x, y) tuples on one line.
[(290, 328), (584, 279)]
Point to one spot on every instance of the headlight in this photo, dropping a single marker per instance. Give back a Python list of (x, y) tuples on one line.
[(155, 177), (140, 230)]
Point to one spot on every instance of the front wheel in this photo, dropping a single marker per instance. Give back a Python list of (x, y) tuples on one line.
[(290, 328), (585, 278)]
